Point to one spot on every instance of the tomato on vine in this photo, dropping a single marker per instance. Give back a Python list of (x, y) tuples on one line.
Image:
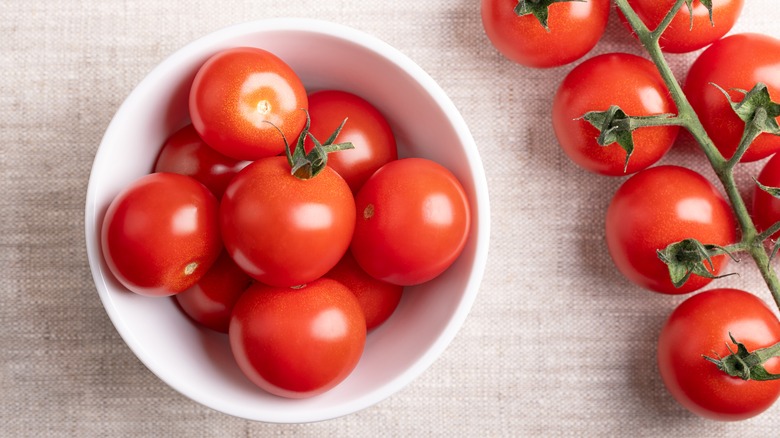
[(690, 29), (544, 34), (241, 97), (603, 81), (766, 207), (702, 326), (660, 206), (735, 62)]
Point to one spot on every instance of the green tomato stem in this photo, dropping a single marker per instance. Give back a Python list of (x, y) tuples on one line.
[(745, 364), (751, 241), (767, 234)]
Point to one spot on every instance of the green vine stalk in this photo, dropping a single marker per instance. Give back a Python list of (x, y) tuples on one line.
[(752, 242)]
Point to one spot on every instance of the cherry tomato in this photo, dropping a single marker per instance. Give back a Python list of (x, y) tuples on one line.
[(297, 342), (660, 206), (734, 62), (161, 234), (574, 29), (211, 300), (238, 99), (282, 230), (628, 81), (186, 153), (413, 220), (766, 208), (377, 298), (701, 326), (366, 128), (680, 37)]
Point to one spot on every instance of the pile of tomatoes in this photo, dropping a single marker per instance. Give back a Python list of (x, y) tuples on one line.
[(658, 205), (285, 218)]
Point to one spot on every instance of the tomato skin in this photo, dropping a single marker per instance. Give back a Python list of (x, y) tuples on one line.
[(700, 326), (629, 81), (366, 128), (160, 234), (575, 28), (284, 231), (184, 152), (659, 206), (413, 220), (237, 92), (297, 343), (377, 298), (736, 61), (679, 37), (210, 301), (766, 208)]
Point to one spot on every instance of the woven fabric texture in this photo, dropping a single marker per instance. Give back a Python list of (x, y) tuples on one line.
[(557, 343)]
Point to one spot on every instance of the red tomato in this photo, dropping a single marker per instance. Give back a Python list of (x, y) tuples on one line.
[(766, 208), (679, 37), (736, 61), (574, 29), (161, 234), (657, 207), (211, 300), (701, 326), (413, 221), (234, 96), (285, 231), (366, 128), (186, 153), (629, 81), (377, 298), (297, 342)]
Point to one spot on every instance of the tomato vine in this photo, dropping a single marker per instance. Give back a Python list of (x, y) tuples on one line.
[(757, 118)]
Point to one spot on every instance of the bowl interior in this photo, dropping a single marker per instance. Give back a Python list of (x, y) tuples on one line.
[(197, 362)]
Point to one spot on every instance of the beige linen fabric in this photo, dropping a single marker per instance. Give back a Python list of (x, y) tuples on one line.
[(557, 343)]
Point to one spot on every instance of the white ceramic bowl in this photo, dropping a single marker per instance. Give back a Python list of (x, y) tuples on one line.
[(197, 362)]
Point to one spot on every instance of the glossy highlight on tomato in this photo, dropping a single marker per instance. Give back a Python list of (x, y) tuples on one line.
[(628, 81), (660, 206), (160, 234), (574, 29), (297, 342), (702, 326)]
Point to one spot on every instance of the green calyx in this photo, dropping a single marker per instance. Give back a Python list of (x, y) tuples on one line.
[(707, 4), (307, 165), (688, 257), (538, 8), (758, 112), (615, 126), (744, 364)]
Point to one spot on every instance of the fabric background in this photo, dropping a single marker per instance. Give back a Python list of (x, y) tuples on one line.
[(557, 343)]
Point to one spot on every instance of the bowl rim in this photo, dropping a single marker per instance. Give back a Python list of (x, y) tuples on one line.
[(480, 219)]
